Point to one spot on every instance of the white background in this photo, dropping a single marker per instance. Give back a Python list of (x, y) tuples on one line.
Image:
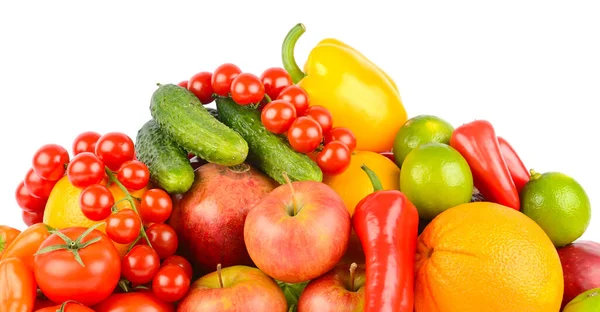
[(531, 68)]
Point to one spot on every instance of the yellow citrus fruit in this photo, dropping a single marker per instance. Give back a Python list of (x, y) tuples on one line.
[(354, 184), (63, 210)]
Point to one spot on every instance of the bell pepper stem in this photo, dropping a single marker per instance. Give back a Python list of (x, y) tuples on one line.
[(287, 52), (373, 177)]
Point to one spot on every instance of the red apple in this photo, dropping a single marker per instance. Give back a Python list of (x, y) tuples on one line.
[(339, 290), (581, 268), (298, 232), (235, 288)]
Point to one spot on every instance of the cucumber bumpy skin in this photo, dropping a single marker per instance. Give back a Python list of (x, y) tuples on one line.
[(268, 151), (182, 116), (168, 163)]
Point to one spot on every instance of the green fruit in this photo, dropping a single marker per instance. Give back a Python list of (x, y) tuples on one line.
[(420, 130), (588, 301), (435, 177), (558, 204)]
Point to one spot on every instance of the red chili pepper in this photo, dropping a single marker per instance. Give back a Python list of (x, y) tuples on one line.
[(519, 173), (386, 223), (477, 143)]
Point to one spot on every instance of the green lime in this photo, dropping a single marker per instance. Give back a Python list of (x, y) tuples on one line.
[(558, 204), (435, 177), (420, 130), (588, 301)]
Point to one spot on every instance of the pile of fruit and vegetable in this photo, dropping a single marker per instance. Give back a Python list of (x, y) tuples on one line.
[(303, 190)]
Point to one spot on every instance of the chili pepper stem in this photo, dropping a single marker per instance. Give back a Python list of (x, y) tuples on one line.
[(352, 275), (373, 177), (287, 52), (294, 203), (534, 175), (220, 276)]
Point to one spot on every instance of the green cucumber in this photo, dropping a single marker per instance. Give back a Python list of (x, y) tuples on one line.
[(168, 163), (180, 115), (269, 152)]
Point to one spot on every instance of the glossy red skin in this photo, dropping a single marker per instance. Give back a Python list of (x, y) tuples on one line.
[(298, 248), (518, 172), (17, 286), (222, 78), (27, 243), (275, 79), (342, 134), (278, 116), (28, 202), (386, 223), (297, 96), (200, 85), (305, 134), (171, 283), (69, 307), (49, 161), (181, 262), (581, 268), (37, 186), (133, 301), (134, 175), (115, 148), (85, 169), (31, 218), (124, 226), (163, 239), (389, 155), (477, 143), (183, 84), (330, 292), (85, 142), (246, 88), (140, 264), (334, 158), (209, 218), (322, 115)]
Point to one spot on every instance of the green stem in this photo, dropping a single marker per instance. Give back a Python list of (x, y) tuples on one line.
[(287, 52), (534, 175), (373, 177)]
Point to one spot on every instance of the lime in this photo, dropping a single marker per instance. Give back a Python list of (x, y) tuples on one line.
[(420, 130), (435, 177), (588, 301), (558, 204)]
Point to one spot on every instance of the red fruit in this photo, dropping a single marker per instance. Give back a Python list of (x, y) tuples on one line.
[(297, 96), (305, 134), (28, 202), (37, 186), (31, 218), (200, 85), (49, 161), (275, 79), (222, 78), (334, 158), (322, 116), (343, 135), (278, 116)]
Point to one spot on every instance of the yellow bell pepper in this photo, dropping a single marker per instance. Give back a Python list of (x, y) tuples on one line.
[(359, 94)]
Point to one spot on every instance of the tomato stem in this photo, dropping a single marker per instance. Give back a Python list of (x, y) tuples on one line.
[(373, 177), (287, 52), (352, 275), (72, 245), (64, 305), (220, 276)]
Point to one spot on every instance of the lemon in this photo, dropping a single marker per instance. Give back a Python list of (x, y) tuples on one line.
[(420, 130)]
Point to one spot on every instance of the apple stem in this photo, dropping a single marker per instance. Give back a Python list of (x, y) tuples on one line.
[(219, 275), (352, 273), (289, 182)]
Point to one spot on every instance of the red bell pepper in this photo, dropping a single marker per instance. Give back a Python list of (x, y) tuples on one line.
[(386, 223), (477, 143), (518, 172)]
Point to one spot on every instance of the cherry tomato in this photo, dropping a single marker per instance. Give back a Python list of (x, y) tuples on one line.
[(140, 264), (96, 202), (62, 277), (305, 134), (85, 142), (171, 283), (26, 244), (124, 226), (37, 186), (17, 286), (115, 148), (183, 84), (85, 169), (133, 301), (28, 202), (68, 306), (297, 96), (163, 239), (322, 116), (49, 161), (246, 88), (180, 261), (278, 116), (134, 175), (200, 85), (343, 135), (275, 79), (334, 158), (222, 78), (31, 218), (7, 236), (156, 206)]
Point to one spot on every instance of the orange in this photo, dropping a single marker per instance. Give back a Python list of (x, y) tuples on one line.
[(486, 257), (63, 210), (354, 184)]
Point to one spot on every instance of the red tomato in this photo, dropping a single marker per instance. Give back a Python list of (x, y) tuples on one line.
[(275, 79), (163, 239), (115, 148), (183, 84), (297, 96), (134, 175), (96, 202), (278, 116), (62, 277), (85, 169), (70, 306), (124, 226), (140, 264), (31, 218), (334, 158), (17, 286), (7, 236), (322, 116), (156, 206), (134, 301), (305, 134), (200, 85), (49, 161), (41, 303), (85, 142), (343, 135), (37, 186), (171, 283), (180, 261), (246, 88), (222, 78), (28, 202), (26, 244)]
